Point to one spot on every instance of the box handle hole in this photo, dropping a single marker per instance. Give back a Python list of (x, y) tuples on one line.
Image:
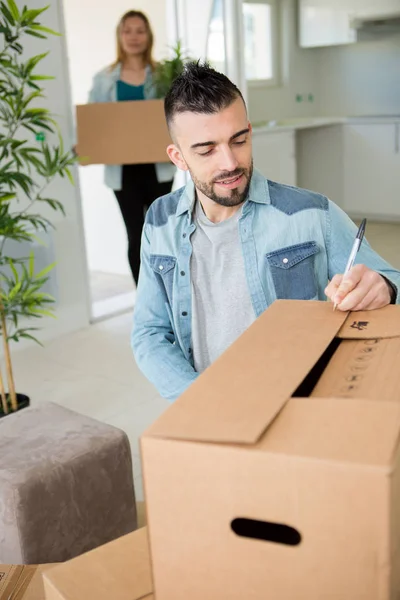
[(266, 531)]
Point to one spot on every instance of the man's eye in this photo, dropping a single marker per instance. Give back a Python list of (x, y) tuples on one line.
[(240, 143), (206, 153)]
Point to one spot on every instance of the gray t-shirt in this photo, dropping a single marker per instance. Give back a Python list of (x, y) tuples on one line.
[(221, 303)]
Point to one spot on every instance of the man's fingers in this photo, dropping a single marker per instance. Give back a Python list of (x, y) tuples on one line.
[(333, 286), (360, 289), (359, 299), (347, 286), (377, 297), (349, 283), (371, 301), (371, 292)]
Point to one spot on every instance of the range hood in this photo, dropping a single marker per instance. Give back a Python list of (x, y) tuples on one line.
[(384, 23)]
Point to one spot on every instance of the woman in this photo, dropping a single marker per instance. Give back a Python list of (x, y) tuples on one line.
[(130, 78)]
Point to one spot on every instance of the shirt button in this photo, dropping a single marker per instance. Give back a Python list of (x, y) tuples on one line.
[(161, 267), (184, 314), (182, 273), (285, 261), (190, 351), (184, 235)]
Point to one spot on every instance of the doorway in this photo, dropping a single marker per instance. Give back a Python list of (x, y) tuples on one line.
[(91, 46)]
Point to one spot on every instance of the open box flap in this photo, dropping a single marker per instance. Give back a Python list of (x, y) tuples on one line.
[(238, 396), (372, 324)]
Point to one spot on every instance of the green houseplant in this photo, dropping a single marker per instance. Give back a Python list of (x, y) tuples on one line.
[(167, 70), (28, 164)]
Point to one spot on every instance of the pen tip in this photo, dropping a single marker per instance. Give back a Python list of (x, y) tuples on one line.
[(334, 307)]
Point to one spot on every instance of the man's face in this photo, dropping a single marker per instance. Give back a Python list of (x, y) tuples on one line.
[(216, 149)]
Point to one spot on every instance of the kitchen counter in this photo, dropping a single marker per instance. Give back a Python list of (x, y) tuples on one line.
[(369, 119), (294, 123)]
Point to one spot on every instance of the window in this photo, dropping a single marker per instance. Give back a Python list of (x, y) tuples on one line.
[(216, 37), (260, 29), (260, 40)]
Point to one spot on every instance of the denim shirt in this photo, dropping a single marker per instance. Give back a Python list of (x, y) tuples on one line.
[(104, 89), (293, 242)]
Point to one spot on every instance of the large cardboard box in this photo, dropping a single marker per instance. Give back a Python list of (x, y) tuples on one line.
[(22, 582), (276, 475), (119, 570), (121, 133)]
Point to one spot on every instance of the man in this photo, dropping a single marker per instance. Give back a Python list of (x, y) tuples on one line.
[(218, 252)]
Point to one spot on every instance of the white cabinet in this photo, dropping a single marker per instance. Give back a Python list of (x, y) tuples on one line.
[(319, 158), (331, 22), (274, 155), (326, 22), (372, 8), (372, 169)]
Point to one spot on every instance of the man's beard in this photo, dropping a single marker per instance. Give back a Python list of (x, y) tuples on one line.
[(236, 197)]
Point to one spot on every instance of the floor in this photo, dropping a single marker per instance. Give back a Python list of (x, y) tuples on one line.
[(111, 294), (93, 371), (385, 239), (104, 285)]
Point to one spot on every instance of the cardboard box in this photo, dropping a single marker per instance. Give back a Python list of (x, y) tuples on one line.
[(119, 570), (121, 133), (22, 582), (262, 483)]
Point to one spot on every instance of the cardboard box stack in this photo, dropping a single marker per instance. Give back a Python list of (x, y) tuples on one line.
[(275, 476)]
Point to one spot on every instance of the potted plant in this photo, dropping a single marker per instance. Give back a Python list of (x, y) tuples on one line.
[(28, 164), (167, 70)]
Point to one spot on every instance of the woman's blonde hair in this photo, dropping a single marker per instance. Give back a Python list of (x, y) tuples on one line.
[(148, 53)]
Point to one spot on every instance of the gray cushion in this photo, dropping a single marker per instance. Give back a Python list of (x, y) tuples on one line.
[(66, 485)]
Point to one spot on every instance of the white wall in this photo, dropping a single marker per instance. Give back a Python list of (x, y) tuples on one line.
[(90, 32), (355, 79), (69, 278), (360, 79), (299, 75)]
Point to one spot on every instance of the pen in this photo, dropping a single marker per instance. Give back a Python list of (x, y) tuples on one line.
[(354, 250)]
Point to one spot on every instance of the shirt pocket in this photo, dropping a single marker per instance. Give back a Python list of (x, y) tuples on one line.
[(164, 268), (293, 272)]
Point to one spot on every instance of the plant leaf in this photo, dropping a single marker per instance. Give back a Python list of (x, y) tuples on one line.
[(44, 271), (44, 29), (35, 34), (14, 270), (31, 265), (13, 9)]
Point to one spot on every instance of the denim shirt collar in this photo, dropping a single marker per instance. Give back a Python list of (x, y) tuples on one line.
[(258, 193)]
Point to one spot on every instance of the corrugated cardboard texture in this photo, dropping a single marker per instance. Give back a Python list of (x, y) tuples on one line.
[(22, 582), (121, 133), (120, 570), (325, 468)]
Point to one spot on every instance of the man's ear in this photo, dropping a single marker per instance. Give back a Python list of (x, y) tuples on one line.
[(175, 156)]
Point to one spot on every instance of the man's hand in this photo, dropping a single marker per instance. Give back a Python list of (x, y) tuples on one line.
[(360, 289)]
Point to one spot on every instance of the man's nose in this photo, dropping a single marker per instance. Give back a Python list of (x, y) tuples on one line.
[(228, 160)]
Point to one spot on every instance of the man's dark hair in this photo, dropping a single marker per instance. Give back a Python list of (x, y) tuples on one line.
[(199, 89)]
